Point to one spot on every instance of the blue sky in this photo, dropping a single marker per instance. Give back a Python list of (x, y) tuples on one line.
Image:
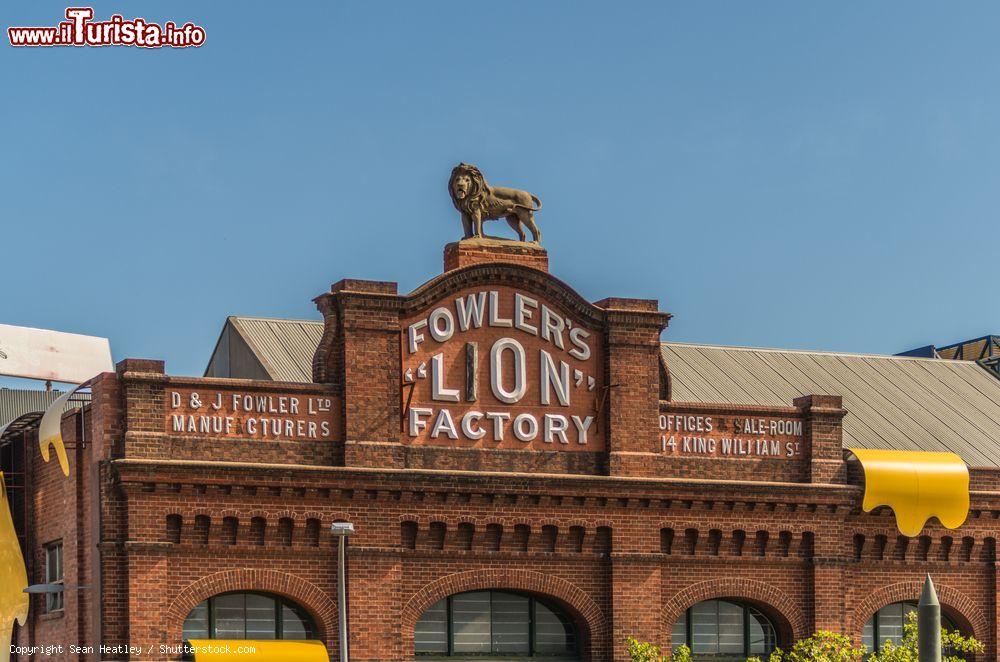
[(785, 174)]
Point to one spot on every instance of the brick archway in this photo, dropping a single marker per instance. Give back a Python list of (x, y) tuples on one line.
[(790, 619), (588, 616), (954, 602), (319, 605)]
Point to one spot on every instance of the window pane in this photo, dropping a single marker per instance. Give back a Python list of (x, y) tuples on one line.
[(890, 624), (762, 637), (196, 624), (53, 563), (247, 616), (53, 575), (260, 616), (730, 628), (554, 632), (705, 627), (867, 635), (891, 620), (510, 624), (431, 632), (722, 629), (679, 635), (471, 622), (230, 616), (292, 624)]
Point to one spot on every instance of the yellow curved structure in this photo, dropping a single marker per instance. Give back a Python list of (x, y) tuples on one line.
[(50, 431), (917, 486), (255, 650), (13, 577)]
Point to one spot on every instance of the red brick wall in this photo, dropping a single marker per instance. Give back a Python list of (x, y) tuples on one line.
[(624, 540), (609, 565), (464, 253), (775, 549)]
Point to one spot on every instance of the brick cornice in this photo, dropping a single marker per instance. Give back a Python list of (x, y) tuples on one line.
[(715, 407), (478, 481)]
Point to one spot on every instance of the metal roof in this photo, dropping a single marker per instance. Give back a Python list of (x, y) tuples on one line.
[(16, 403), (972, 350), (284, 347), (892, 402)]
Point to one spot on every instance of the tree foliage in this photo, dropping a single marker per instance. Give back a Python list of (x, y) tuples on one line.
[(832, 647), (821, 647), (953, 643), (827, 646), (640, 651)]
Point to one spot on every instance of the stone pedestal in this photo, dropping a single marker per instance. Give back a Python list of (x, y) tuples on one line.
[(477, 251)]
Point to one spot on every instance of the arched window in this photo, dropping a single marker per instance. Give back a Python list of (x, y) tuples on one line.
[(248, 616), (495, 625), (887, 625), (724, 630)]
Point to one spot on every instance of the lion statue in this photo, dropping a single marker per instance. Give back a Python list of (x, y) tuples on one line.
[(477, 201)]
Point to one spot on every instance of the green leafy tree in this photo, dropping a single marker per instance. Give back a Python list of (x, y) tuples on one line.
[(954, 644), (821, 647), (641, 651)]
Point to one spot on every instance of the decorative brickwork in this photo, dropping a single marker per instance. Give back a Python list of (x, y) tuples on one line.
[(678, 503), (320, 605), (786, 611), (590, 618), (960, 607)]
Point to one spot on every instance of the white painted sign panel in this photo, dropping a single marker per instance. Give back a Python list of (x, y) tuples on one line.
[(44, 354)]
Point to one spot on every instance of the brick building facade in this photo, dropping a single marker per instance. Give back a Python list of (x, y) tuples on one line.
[(522, 441)]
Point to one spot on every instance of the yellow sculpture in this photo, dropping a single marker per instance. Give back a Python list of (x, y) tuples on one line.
[(13, 577), (223, 650), (917, 486), (50, 431)]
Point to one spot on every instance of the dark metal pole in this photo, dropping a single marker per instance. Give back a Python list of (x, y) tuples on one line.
[(929, 623)]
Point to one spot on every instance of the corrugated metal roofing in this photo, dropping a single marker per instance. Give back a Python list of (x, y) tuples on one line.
[(893, 402), (17, 402), (284, 347)]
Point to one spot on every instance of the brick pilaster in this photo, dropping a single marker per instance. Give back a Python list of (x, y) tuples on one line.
[(632, 401), (829, 576), (823, 417), (636, 583), (361, 352)]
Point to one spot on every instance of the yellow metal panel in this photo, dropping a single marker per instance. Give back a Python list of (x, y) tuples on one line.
[(917, 486), (13, 577), (221, 650)]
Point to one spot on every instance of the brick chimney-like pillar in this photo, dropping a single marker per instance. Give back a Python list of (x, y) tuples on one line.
[(632, 399), (360, 352), (823, 416)]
